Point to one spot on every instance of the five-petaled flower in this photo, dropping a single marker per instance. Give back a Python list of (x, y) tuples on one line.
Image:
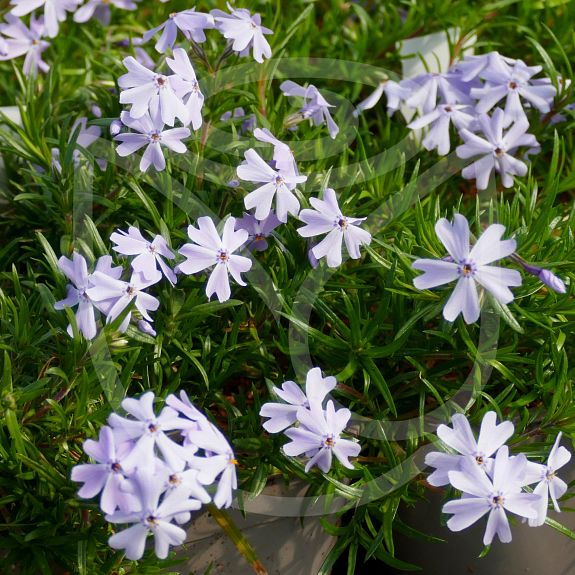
[(155, 517), (483, 495), (315, 106), (282, 415), (190, 22), (469, 267), (326, 218), (210, 250), (119, 294), (276, 184), (149, 255), (461, 439), (319, 437), (545, 475), (142, 86), (246, 31), (149, 131), (495, 149), (76, 270)]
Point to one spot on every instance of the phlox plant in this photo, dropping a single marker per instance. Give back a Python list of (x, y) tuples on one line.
[(240, 247)]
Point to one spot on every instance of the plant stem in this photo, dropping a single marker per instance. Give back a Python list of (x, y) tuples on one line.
[(242, 544)]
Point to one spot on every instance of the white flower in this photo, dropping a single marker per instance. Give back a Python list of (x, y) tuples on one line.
[(469, 268), (276, 184), (190, 22), (245, 30), (211, 250), (156, 518), (482, 496), (149, 132), (54, 11), (548, 482), (315, 106), (148, 254), (282, 415), (495, 150), (327, 218), (319, 436), (21, 40), (142, 85), (462, 440), (122, 293)]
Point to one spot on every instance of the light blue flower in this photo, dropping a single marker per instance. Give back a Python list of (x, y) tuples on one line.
[(210, 250), (469, 267), (483, 495), (319, 437)]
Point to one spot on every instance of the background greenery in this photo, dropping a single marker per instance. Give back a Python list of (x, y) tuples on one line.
[(387, 343)]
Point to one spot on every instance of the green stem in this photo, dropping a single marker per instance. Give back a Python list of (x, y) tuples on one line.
[(242, 544)]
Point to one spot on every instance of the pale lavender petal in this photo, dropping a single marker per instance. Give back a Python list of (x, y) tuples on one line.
[(495, 280), (460, 437), (330, 247), (464, 300), (437, 272), (489, 247), (237, 265), (454, 237), (133, 540), (354, 238), (466, 512), (199, 258), (491, 435), (497, 524), (219, 283)]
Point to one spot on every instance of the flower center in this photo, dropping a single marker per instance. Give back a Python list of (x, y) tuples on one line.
[(173, 15), (341, 222), (151, 521), (497, 500), (479, 459), (448, 109), (466, 268), (131, 291), (222, 256), (550, 475), (174, 479), (329, 441), (499, 152), (155, 137), (279, 181), (151, 249), (513, 85), (153, 428), (161, 81), (259, 237), (116, 467)]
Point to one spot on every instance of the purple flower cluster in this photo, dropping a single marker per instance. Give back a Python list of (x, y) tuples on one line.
[(492, 481), (158, 100), (314, 430), (105, 291), (279, 179), (487, 99), (151, 470), (243, 30)]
